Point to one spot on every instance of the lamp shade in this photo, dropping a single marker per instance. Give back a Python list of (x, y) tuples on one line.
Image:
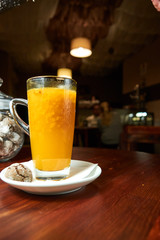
[(64, 72), (80, 47)]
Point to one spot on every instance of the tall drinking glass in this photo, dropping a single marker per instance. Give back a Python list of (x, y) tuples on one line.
[(51, 109)]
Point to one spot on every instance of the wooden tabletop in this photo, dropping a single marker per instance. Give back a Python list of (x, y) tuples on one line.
[(122, 204)]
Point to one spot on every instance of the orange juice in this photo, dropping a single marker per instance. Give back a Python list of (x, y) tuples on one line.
[(51, 121)]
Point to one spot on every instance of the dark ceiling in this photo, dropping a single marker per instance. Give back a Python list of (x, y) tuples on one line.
[(37, 34)]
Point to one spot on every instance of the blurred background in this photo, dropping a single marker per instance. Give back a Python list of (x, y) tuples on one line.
[(123, 69)]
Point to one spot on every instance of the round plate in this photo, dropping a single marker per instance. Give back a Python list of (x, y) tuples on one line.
[(77, 179)]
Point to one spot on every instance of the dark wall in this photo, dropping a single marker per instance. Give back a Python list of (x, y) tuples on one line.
[(106, 88)]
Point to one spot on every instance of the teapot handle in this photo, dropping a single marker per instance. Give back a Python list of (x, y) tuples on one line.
[(12, 105)]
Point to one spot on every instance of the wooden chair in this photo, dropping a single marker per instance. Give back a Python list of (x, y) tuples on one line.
[(84, 135), (132, 135)]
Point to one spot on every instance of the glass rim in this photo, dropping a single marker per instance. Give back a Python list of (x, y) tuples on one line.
[(51, 76)]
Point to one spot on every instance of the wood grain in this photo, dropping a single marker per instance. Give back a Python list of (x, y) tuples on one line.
[(122, 204)]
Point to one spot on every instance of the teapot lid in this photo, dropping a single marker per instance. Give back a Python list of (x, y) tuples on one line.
[(4, 99)]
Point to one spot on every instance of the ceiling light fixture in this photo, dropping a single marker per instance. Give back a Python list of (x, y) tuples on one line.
[(80, 47), (64, 72)]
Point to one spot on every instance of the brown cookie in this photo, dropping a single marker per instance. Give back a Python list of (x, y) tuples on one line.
[(19, 172)]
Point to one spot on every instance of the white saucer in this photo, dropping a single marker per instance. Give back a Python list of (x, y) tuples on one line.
[(78, 178)]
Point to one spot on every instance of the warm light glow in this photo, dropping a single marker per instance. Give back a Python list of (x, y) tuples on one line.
[(81, 47), (64, 72)]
